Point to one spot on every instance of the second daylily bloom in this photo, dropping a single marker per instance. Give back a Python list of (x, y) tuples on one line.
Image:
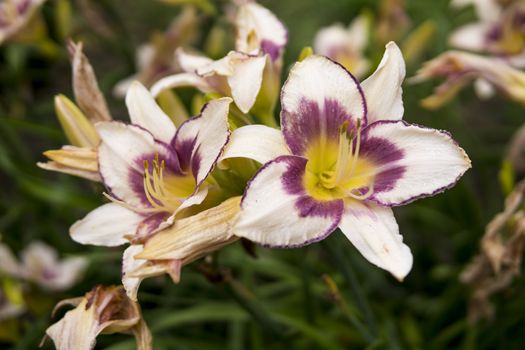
[(152, 172), (352, 159)]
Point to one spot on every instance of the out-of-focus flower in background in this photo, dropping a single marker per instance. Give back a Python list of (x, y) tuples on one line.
[(16, 17), (500, 31), (346, 45), (40, 264), (352, 159), (155, 59), (461, 68), (104, 310)]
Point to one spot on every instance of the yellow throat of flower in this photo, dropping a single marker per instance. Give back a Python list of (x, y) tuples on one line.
[(165, 193), (335, 170)]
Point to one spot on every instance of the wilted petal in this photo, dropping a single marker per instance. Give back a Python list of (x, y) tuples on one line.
[(276, 210), (193, 237), (383, 90), (145, 112), (200, 141), (102, 310), (412, 161), (72, 160), (374, 232), (135, 269), (85, 86), (129, 264), (107, 225), (258, 142), (318, 97), (258, 29)]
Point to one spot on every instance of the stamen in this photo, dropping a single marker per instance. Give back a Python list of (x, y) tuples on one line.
[(365, 195), (156, 190)]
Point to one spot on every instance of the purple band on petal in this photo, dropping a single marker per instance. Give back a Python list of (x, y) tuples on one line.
[(384, 154), (150, 223), (272, 49), (311, 121), (184, 149)]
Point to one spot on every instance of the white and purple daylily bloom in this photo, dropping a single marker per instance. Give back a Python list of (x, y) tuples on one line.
[(151, 170), (351, 159)]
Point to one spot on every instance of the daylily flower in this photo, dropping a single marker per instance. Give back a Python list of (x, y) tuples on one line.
[(252, 70), (461, 68), (155, 59), (104, 310), (500, 31), (15, 15), (79, 158), (152, 171), (40, 264), (352, 158), (345, 45)]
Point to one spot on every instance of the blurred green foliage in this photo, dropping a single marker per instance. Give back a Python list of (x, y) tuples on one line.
[(279, 300)]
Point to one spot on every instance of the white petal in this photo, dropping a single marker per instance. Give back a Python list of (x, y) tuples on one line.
[(383, 90), (181, 80), (120, 156), (129, 264), (258, 142), (190, 62), (144, 112), (276, 212), (470, 37), (106, 226), (374, 232), (209, 132), (246, 80), (415, 161)]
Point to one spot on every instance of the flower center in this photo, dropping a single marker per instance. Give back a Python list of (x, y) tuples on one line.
[(165, 193), (347, 175)]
